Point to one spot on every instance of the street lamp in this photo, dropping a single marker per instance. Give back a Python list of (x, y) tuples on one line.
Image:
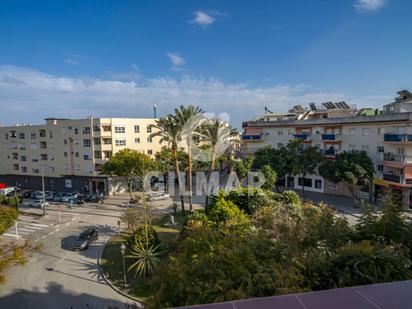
[(44, 196), (123, 250)]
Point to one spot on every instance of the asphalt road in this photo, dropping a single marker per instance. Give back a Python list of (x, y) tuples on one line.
[(57, 277)]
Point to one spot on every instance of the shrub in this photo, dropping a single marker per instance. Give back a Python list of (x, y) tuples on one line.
[(13, 201), (7, 217), (145, 235)]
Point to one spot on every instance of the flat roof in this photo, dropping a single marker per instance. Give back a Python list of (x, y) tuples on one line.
[(392, 117), (378, 296)]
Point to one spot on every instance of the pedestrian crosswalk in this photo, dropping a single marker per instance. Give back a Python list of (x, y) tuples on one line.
[(24, 229)]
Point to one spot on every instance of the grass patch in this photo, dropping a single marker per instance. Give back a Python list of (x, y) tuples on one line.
[(7, 217), (112, 265)]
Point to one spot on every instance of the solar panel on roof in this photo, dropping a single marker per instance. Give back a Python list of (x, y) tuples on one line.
[(312, 106)]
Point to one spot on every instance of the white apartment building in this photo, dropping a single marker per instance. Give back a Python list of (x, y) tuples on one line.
[(70, 152), (385, 135)]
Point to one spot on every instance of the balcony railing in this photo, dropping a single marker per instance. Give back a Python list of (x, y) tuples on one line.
[(398, 138), (302, 136), (330, 151), (330, 137), (252, 137), (393, 178), (392, 157)]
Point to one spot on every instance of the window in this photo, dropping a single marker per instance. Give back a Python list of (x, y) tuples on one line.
[(365, 147), (280, 145), (149, 139), (119, 130), (86, 130), (306, 182), (381, 149), (65, 154), (365, 132), (149, 128), (380, 131), (24, 169), (290, 132), (380, 168), (120, 142), (15, 156), (51, 134), (35, 170), (87, 143), (351, 147), (43, 157), (23, 158), (42, 133), (280, 132), (76, 131), (318, 183), (13, 134), (86, 157), (65, 141), (76, 154), (33, 135), (136, 129), (333, 186), (22, 136), (137, 140), (352, 131), (150, 152)]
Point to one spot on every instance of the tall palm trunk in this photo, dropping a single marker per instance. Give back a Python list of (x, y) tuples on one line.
[(212, 168), (179, 180), (190, 177)]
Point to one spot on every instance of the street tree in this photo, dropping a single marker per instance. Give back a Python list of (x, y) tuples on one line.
[(353, 168), (130, 164), (188, 118), (170, 132)]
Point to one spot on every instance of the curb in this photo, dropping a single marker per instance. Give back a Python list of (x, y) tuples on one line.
[(109, 283)]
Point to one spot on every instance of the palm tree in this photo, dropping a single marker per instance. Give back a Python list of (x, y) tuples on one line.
[(188, 118), (216, 133), (170, 131)]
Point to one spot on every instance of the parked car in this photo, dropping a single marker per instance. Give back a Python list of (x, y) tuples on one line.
[(39, 195), (26, 193), (58, 197), (69, 197), (157, 196), (39, 203), (91, 198), (50, 196), (83, 241), (34, 194)]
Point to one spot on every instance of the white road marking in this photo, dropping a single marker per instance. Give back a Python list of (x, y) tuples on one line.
[(25, 230), (43, 237), (37, 240), (40, 225), (51, 233), (9, 235), (34, 227)]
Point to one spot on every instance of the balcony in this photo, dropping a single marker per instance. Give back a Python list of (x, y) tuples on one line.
[(303, 136), (393, 178), (252, 138), (330, 137), (397, 158), (397, 138)]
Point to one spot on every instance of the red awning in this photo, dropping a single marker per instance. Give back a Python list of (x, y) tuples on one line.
[(3, 185)]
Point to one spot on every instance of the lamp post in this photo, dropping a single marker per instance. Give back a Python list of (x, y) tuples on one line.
[(123, 250), (43, 195)]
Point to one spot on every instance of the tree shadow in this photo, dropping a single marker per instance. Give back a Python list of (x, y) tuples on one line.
[(56, 297)]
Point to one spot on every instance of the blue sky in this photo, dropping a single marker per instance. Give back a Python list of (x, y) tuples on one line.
[(118, 58)]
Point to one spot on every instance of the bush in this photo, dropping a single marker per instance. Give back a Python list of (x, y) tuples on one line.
[(247, 199), (3, 200), (7, 217), (139, 237), (13, 201), (290, 197), (224, 211)]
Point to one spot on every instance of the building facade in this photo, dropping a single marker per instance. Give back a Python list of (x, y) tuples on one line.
[(386, 136), (70, 152)]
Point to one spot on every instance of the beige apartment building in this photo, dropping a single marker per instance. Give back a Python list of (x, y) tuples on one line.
[(70, 152), (386, 135)]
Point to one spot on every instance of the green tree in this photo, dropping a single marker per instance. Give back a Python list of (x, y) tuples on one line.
[(270, 177), (170, 132), (215, 132), (188, 118), (130, 164), (353, 168), (303, 161)]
